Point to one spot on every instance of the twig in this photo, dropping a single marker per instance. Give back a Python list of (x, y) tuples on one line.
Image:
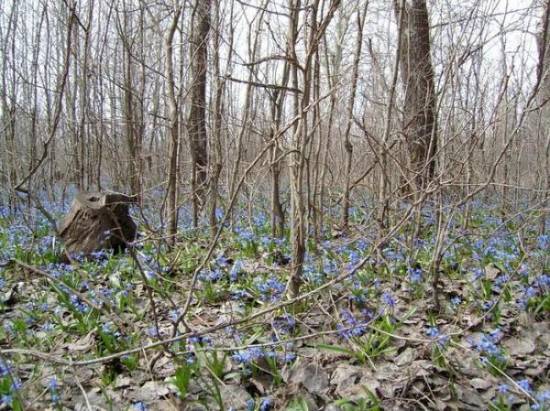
[(88, 406)]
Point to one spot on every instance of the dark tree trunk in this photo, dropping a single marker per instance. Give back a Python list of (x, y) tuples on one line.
[(417, 75)]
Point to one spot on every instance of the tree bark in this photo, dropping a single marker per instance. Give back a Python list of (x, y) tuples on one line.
[(347, 141), (173, 127), (543, 79), (417, 75), (197, 115)]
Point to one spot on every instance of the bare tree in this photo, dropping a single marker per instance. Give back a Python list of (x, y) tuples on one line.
[(197, 116), (361, 16), (301, 134), (173, 128), (133, 90), (417, 75), (543, 79)]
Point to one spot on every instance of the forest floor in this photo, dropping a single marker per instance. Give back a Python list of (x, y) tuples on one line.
[(366, 333)]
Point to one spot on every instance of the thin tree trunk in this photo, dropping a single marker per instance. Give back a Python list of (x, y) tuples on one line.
[(543, 74), (173, 127), (197, 115), (347, 141)]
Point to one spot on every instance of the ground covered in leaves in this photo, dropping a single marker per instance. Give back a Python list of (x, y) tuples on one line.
[(108, 333)]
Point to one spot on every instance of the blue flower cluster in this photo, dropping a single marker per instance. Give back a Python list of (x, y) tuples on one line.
[(415, 275), (285, 324), (266, 404), (543, 242), (440, 339), (270, 289), (487, 345), (350, 326), (253, 354), (236, 269), (210, 275), (539, 286), (10, 382), (388, 300), (244, 234), (54, 390)]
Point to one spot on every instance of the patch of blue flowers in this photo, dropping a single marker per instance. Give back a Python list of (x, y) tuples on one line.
[(271, 289)]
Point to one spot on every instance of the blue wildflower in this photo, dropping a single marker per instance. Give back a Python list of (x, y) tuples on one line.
[(456, 300), (259, 219), (266, 404), (190, 358), (440, 339), (47, 327), (199, 340), (362, 244), (6, 400), (503, 388), (496, 335), (329, 266), (139, 406), (531, 292), (239, 294), (523, 270), (543, 242), (78, 304), (244, 234), (501, 280), (478, 273), (543, 281), (152, 332), (210, 275), (286, 357), (221, 261), (247, 356), (350, 327), (388, 299), (525, 385), (4, 368), (432, 332), (285, 323), (235, 270), (270, 289), (543, 396), (174, 314), (149, 275), (53, 387), (487, 344), (415, 275)]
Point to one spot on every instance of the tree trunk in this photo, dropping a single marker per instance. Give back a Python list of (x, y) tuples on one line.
[(417, 75), (347, 141), (197, 115), (173, 127), (543, 79), (301, 139)]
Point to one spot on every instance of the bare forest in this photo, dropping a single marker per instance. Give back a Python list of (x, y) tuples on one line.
[(275, 205)]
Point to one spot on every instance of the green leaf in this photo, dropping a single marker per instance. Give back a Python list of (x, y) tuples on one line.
[(297, 404)]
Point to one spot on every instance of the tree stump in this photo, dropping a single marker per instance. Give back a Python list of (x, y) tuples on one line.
[(98, 221)]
